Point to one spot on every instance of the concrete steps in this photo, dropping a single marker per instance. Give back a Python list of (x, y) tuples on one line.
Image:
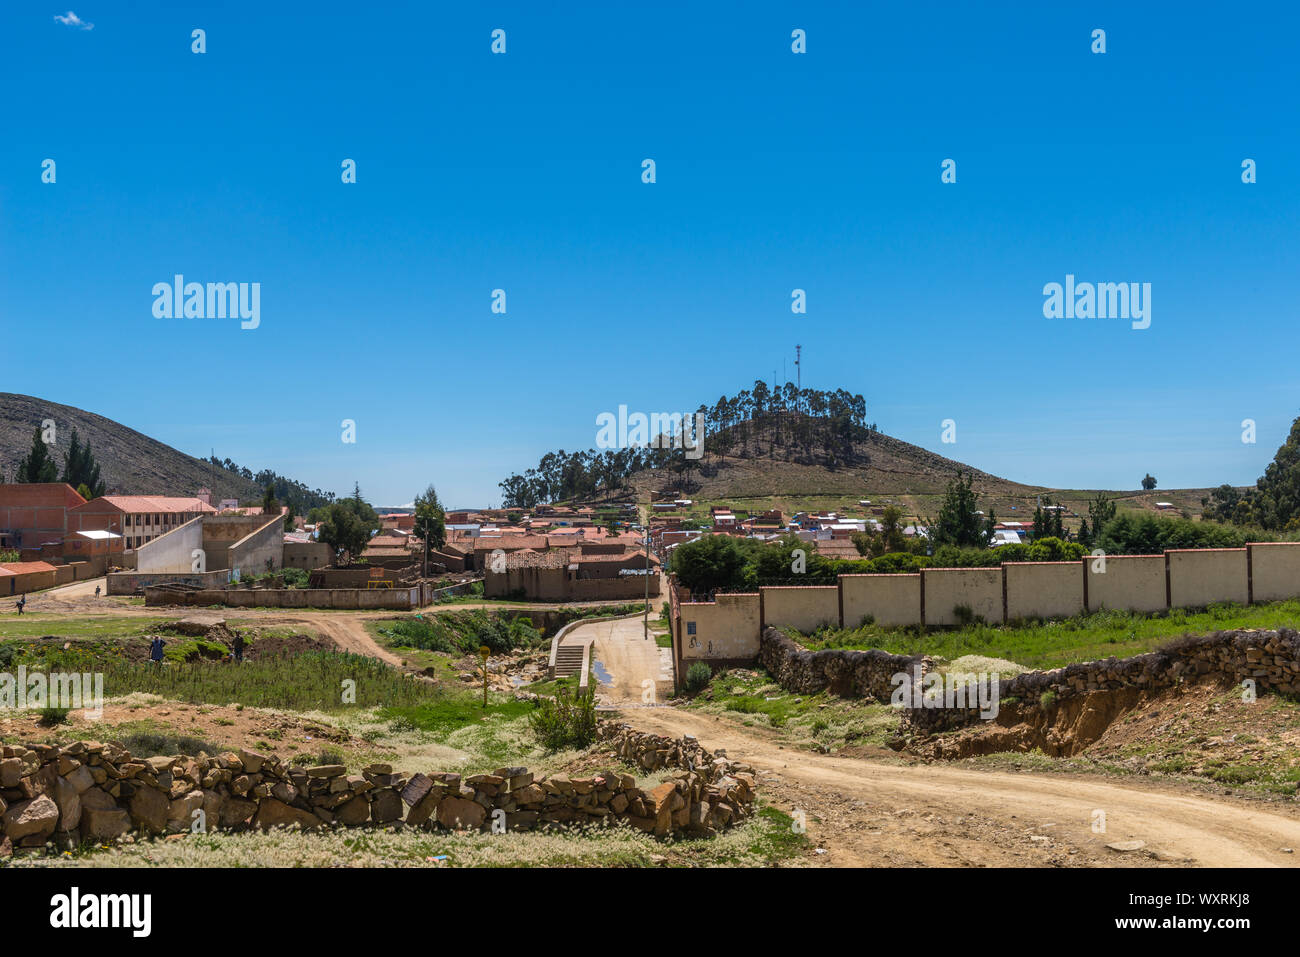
[(568, 660)]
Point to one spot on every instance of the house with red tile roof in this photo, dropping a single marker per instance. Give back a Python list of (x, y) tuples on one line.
[(139, 519)]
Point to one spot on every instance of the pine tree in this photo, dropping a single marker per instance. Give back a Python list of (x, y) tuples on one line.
[(80, 468), (37, 465)]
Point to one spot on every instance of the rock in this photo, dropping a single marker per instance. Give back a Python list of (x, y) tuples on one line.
[(97, 798), (11, 772), (37, 817), (180, 813), (1125, 846), (236, 811), (354, 812), (80, 778), (326, 771), (423, 811), (273, 813), (456, 812), (104, 824), (386, 807), (69, 803), (251, 760), (149, 808), (416, 789)]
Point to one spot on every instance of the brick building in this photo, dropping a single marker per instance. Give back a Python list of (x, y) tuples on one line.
[(35, 515), (137, 518)]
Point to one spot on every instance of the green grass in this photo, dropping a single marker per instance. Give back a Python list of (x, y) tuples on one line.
[(454, 711), (818, 721), (314, 681), (1052, 644), (90, 626)]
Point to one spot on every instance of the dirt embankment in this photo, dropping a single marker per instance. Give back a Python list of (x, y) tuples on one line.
[(1061, 731)]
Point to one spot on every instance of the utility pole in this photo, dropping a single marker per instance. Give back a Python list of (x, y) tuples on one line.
[(798, 365), (645, 528)]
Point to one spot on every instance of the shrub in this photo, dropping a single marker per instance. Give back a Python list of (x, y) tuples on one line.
[(566, 722), (698, 676), (146, 744), (52, 716)]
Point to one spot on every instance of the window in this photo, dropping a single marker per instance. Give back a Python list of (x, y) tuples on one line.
[(690, 628)]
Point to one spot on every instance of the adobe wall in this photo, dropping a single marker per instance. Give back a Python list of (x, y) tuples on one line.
[(1043, 589), (725, 629), (1198, 577), (1127, 583), (1274, 571), (398, 598), (307, 555), (804, 608), (28, 582), (890, 600), (135, 583), (944, 589), (730, 625)]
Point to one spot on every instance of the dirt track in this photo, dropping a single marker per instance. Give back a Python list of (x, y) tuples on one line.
[(883, 812)]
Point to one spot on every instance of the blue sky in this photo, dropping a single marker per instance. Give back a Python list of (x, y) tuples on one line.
[(775, 171)]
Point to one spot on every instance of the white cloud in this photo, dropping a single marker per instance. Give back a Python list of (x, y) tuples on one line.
[(70, 19)]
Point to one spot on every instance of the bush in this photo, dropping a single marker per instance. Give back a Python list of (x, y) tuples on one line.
[(698, 676), (52, 716), (566, 722), (147, 744), (464, 632)]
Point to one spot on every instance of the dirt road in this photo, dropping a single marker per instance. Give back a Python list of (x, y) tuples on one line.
[(624, 660), (879, 811)]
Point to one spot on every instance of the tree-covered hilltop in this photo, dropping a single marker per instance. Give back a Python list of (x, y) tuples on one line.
[(808, 426), (296, 495)]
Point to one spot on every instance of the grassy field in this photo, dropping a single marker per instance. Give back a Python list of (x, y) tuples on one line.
[(1052, 644), (109, 627)]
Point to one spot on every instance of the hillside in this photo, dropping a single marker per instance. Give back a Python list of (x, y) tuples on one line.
[(758, 475), (130, 463)]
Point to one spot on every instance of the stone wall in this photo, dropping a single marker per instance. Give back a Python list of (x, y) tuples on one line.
[(705, 794), (1270, 658), (100, 792), (861, 674)]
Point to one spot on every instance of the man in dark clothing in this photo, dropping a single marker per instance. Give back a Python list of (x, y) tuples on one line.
[(22, 602), (237, 646)]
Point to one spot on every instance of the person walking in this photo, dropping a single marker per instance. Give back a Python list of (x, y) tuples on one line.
[(237, 646), (96, 591), (22, 603), (156, 651)]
